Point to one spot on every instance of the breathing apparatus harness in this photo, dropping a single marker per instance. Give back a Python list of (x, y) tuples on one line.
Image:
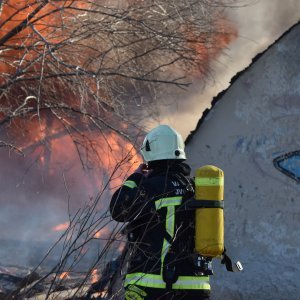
[(202, 264)]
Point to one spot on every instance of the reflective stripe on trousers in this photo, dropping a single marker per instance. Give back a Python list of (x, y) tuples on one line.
[(156, 281)]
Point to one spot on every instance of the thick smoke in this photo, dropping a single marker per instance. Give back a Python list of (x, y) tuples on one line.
[(32, 200), (36, 198), (259, 24)]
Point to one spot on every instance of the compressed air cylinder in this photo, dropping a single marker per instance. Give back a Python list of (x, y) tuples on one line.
[(209, 226)]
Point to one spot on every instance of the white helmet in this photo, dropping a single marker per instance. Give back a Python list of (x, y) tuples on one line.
[(163, 142)]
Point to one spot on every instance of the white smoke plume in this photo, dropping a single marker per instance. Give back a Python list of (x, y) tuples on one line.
[(259, 24)]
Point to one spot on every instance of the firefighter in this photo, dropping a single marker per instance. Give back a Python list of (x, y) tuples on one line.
[(161, 260)]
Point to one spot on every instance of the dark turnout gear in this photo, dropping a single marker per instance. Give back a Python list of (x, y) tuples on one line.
[(161, 234)]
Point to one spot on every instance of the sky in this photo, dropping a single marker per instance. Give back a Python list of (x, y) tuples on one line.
[(259, 24)]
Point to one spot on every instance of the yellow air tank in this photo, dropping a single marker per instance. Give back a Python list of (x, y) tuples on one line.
[(209, 227)]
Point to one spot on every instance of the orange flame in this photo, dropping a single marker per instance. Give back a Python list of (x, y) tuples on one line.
[(61, 227), (26, 23), (64, 275), (210, 46), (55, 150), (103, 233), (95, 276)]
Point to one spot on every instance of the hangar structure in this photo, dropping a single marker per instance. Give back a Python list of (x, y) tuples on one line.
[(252, 132)]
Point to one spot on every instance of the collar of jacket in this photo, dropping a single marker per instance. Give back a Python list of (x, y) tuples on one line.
[(166, 168)]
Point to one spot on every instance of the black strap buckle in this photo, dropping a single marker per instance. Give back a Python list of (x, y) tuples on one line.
[(169, 270), (231, 266), (193, 203)]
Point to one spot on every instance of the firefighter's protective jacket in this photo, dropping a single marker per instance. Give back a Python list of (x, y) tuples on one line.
[(161, 231)]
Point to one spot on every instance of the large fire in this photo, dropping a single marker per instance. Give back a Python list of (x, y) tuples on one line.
[(63, 82), (60, 111)]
